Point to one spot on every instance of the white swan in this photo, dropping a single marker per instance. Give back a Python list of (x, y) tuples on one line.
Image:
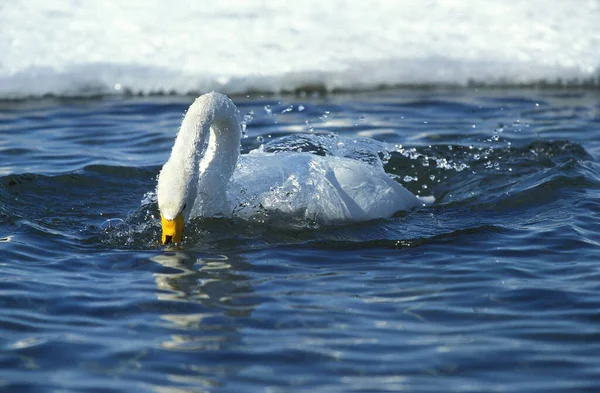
[(201, 172)]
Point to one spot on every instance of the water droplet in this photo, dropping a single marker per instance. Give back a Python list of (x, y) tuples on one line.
[(407, 179), (536, 104), (450, 147), (473, 126), (113, 223), (432, 177), (476, 156), (248, 117), (260, 139), (268, 110), (288, 109), (300, 108), (309, 126)]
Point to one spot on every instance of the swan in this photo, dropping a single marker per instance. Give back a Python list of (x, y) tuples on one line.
[(204, 170)]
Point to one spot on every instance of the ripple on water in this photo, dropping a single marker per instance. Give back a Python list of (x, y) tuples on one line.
[(493, 287)]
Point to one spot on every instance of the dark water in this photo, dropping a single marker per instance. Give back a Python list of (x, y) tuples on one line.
[(495, 287)]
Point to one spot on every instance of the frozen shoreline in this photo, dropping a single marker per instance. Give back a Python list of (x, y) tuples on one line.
[(65, 49)]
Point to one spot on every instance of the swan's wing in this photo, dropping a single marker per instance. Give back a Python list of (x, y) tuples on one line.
[(322, 189), (369, 192)]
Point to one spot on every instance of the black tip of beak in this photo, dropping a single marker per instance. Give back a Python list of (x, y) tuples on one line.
[(168, 239)]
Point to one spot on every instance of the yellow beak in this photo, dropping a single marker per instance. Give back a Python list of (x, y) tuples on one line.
[(172, 230)]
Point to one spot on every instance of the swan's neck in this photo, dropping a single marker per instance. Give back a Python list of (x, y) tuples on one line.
[(203, 159), (221, 148)]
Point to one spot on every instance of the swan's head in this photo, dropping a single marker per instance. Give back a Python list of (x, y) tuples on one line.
[(172, 193)]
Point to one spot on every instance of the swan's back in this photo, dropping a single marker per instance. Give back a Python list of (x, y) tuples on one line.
[(315, 188)]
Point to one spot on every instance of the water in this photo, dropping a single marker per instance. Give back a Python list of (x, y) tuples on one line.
[(494, 287)]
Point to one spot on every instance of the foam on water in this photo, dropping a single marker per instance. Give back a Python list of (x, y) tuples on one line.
[(74, 48)]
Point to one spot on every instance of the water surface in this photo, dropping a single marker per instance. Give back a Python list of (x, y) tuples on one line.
[(494, 287)]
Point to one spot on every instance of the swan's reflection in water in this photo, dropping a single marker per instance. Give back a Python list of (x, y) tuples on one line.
[(206, 297)]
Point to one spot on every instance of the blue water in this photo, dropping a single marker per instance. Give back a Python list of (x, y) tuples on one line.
[(494, 287)]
